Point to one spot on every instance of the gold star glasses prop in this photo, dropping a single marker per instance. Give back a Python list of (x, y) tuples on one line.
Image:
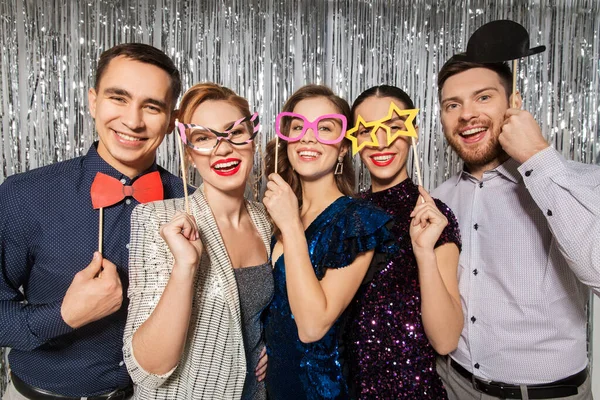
[(364, 134)]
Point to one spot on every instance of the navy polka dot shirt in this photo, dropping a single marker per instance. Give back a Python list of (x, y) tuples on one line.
[(49, 232)]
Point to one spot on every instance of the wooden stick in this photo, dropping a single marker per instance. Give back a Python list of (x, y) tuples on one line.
[(183, 169), (416, 161), (513, 102), (100, 229), (276, 152)]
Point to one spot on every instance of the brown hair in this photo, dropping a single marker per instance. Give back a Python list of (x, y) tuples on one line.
[(143, 53), (344, 181), (454, 66), (201, 92)]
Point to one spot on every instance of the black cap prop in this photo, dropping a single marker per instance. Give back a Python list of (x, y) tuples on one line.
[(498, 41)]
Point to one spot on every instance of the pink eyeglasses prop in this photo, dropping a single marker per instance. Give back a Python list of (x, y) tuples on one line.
[(328, 128)]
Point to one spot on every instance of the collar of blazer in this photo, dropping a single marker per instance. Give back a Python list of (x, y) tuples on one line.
[(215, 247)]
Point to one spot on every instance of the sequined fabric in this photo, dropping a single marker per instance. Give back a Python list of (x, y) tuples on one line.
[(314, 370), (388, 354)]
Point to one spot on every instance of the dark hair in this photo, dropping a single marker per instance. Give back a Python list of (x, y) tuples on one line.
[(143, 53), (383, 91), (344, 181), (454, 66)]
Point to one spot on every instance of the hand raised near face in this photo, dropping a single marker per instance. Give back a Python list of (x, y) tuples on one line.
[(94, 293), (521, 136), (182, 236), (281, 201), (427, 223)]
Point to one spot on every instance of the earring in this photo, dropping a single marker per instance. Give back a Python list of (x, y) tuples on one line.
[(339, 168)]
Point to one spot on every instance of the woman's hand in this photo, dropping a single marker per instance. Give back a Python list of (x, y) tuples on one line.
[(182, 237), (427, 223), (281, 202)]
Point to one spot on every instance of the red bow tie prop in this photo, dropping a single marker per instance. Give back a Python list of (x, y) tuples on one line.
[(107, 190)]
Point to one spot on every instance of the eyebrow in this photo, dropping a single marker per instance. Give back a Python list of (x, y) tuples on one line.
[(398, 118), (125, 93), (475, 93)]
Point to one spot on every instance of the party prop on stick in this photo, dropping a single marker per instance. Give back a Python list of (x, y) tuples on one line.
[(181, 138), (106, 191), (359, 140), (276, 152), (499, 41)]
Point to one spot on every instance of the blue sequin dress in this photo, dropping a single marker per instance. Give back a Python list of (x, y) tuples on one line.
[(299, 370)]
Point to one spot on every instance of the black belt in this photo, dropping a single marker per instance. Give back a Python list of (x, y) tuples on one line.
[(33, 393), (562, 388)]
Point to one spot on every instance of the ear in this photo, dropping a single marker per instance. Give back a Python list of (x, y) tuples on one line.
[(92, 95), (174, 116), (517, 99), (343, 150)]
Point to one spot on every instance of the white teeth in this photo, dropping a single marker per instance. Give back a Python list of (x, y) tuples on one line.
[(129, 138), (308, 154), (227, 165), (383, 158), (473, 131)]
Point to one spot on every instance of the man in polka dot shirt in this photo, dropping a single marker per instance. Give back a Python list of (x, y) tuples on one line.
[(525, 270), (63, 305)]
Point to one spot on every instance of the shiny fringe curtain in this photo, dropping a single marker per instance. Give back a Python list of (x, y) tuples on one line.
[(266, 49)]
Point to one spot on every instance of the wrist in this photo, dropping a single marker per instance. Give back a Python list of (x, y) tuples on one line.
[(183, 272), (292, 228)]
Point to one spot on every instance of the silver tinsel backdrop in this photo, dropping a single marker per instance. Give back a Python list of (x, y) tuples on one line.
[(266, 49)]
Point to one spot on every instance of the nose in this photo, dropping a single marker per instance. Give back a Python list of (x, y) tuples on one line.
[(309, 136), (133, 118), (223, 147), (381, 138), (467, 111)]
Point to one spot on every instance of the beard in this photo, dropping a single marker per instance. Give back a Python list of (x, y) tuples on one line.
[(481, 155)]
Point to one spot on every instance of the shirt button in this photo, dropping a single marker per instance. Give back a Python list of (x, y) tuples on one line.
[(121, 363), (549, 213), (527, 173), (127, 246), (128, 201), (476, 226), (480, 184), (475, 272), (473, 319), (123, 181), (476, 365)]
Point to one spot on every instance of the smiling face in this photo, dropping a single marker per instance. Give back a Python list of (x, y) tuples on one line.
[(386, 164), (227, 166), (473, 105), (310, 158), (132, 110)]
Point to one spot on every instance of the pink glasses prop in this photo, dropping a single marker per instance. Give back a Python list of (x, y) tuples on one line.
[(328, 129)]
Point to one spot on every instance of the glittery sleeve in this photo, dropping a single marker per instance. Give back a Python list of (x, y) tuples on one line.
[(358, 228), (451, 233)]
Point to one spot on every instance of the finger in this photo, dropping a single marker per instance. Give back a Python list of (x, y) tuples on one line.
[(425, 194), (94, 267), (418, 207), (512, 111), (272, 185), (276, 178), (108, 268), (429, 216)]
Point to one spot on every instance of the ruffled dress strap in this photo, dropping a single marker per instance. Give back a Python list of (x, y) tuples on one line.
[(350, 227)]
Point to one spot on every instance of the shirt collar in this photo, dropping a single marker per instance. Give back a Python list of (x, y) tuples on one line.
[(508, 169), (94, 163)]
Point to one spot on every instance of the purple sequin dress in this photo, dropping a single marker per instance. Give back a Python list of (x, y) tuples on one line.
[(388, 354)]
